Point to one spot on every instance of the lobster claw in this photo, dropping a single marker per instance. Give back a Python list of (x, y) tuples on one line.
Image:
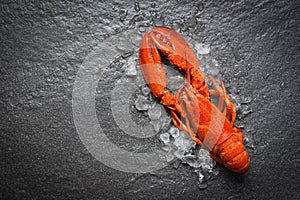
[(172, 45)]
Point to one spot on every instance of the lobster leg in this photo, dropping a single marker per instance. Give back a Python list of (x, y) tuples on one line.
[(223, 96), (179, 124)]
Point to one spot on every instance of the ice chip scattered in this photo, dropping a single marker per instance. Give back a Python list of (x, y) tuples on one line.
[(213, 71), (200, 177), (170, 156), (130, 67), (184, 144), (175, 82), (145, 90), (245, 100), (166, 148), (174, 132), (179, 153), (154, 111), (142, 103), (165, 137), (191, 160), (140, 81), (202, 48), (207, 163), (156, 125)]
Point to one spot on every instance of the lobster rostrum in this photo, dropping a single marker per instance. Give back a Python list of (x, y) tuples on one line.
[(192, 110)]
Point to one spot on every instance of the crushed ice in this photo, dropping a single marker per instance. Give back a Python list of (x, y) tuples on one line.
[(202, 48), (131, 67)]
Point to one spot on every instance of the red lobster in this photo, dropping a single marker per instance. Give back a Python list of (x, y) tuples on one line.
[(191, 108)]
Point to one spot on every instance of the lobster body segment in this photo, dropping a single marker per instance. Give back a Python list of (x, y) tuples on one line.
[(191, 108)]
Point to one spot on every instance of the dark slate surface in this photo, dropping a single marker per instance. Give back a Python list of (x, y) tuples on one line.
[(43, 44)]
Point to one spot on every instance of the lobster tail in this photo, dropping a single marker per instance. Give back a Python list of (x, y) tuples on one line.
[(233, 154)]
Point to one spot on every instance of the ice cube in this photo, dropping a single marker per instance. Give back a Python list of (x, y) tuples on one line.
[(174, 132), (166, 148), (179, 153), (166, 121), (156, 125), (191, 160), (142, 103), (169, 157), (183, 143), (202, 48), (179, 142), (175, 82), (154, 112), (165, 117), (184, 135), (200, 177), (176, 163), (130, 67), (165, 137), (145, 90), (207, 163), (245, 100), (213, 70), (140, 81)]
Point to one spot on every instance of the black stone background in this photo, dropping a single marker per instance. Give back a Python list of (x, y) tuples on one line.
[(43, 44)]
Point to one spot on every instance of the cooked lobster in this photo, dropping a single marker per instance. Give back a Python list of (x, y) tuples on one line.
[(192, 110)]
